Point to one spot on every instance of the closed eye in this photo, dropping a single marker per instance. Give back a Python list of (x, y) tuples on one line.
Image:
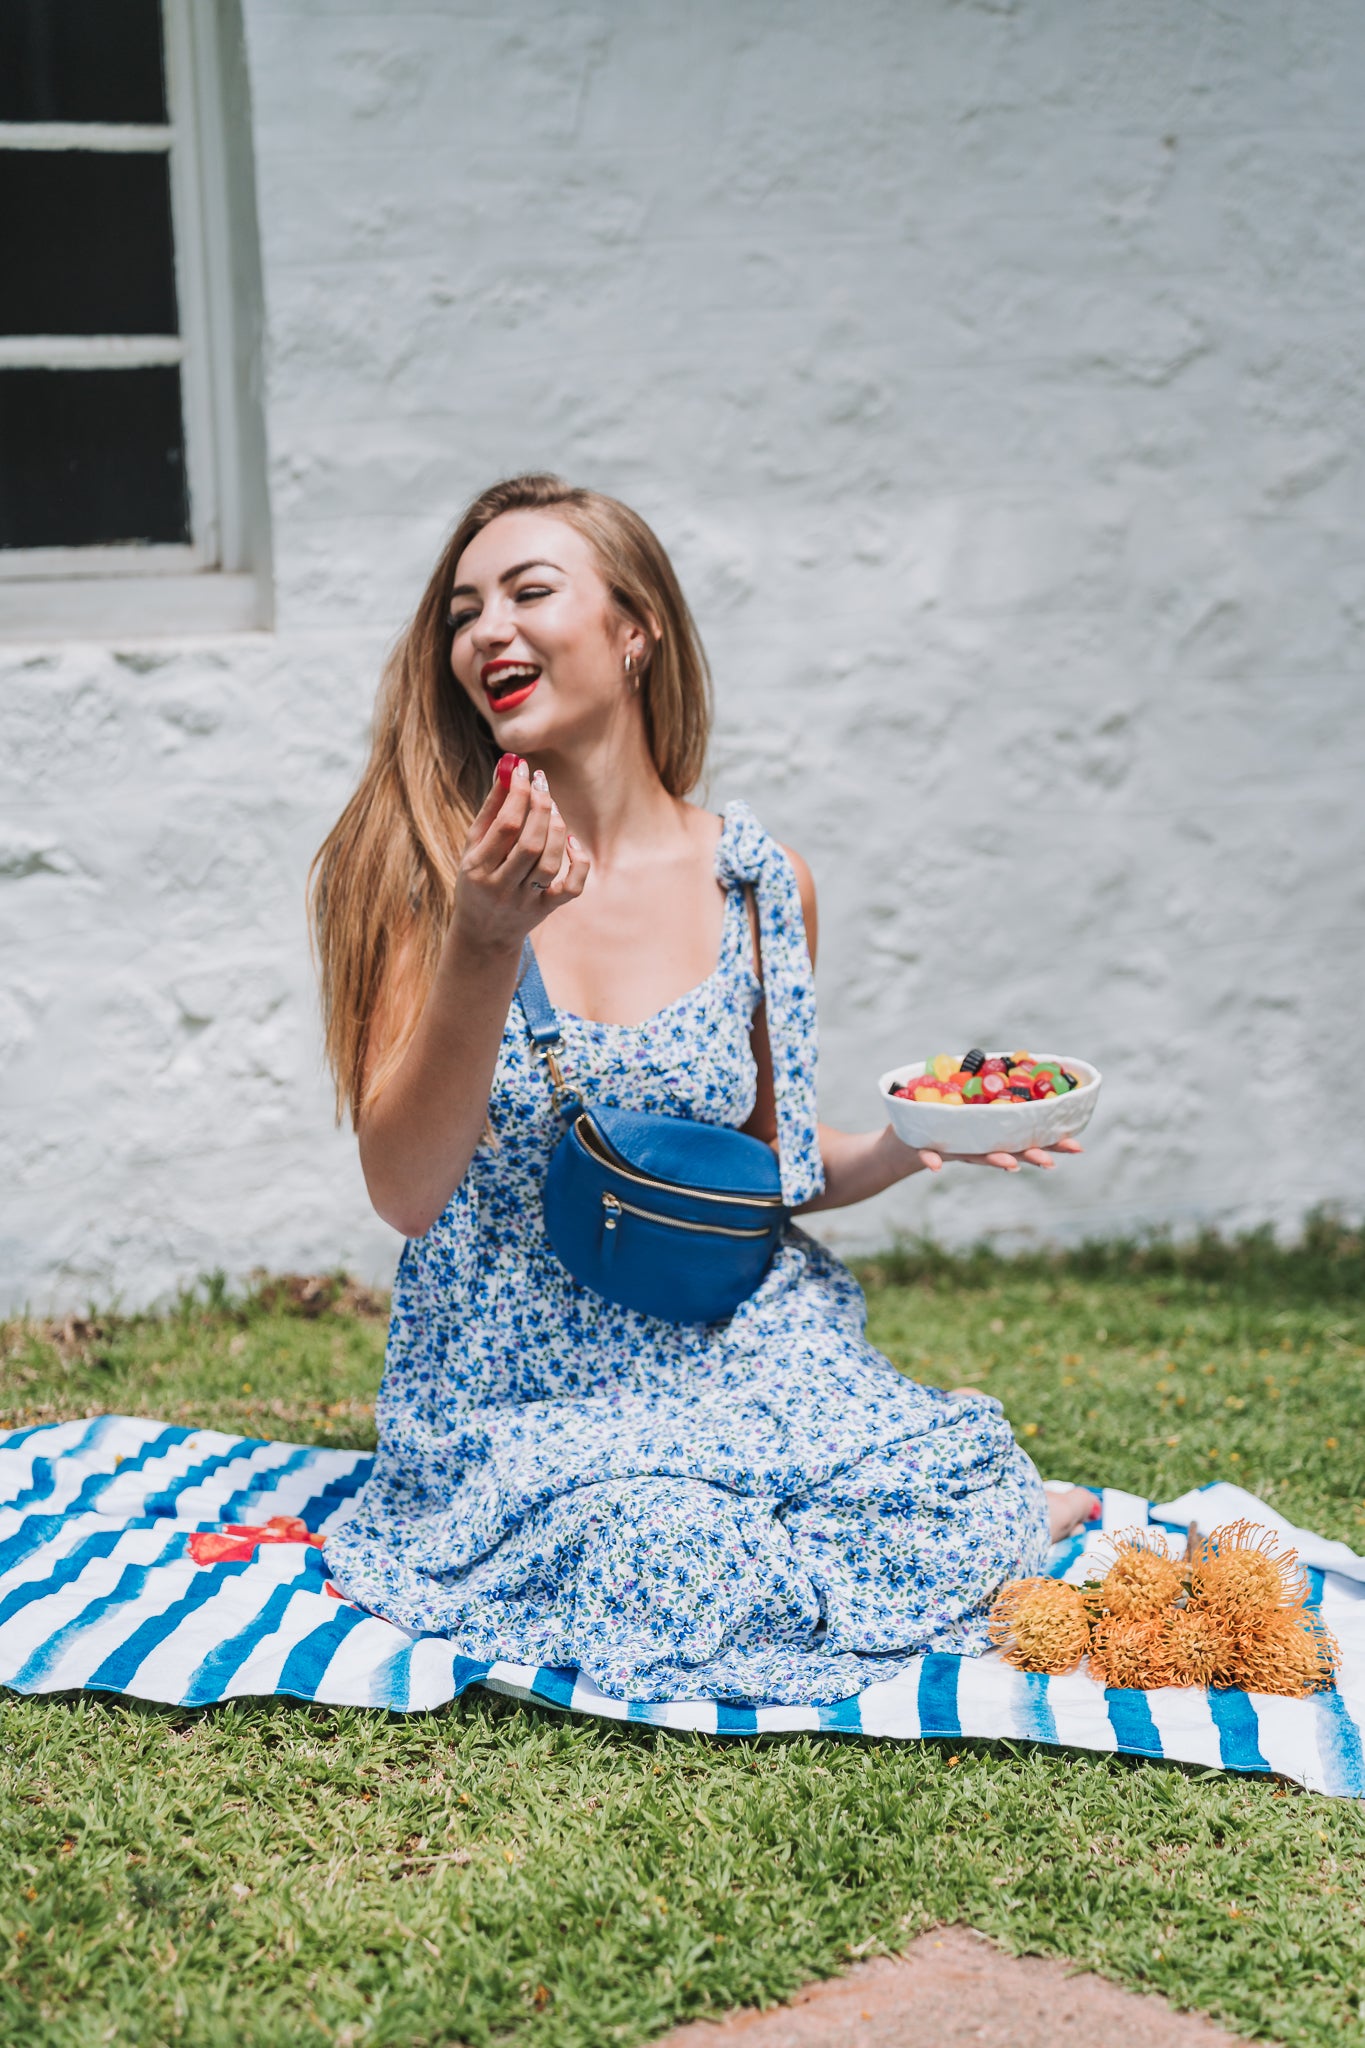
[(458, 620)]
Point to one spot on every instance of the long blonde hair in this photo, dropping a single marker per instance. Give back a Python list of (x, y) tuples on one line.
[(382, 884)]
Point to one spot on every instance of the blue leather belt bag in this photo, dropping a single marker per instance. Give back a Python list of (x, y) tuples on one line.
[(657, 1213)]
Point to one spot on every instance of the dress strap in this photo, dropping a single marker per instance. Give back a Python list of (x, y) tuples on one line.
[(748, 857), (737, 935)]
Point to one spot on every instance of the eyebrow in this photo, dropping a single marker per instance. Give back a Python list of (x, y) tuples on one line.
[(507, 576)]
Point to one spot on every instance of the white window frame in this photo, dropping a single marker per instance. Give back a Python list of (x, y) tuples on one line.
[(214, 583)]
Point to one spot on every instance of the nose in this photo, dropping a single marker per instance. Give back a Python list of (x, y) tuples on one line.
[(491, 630), (488, 638)]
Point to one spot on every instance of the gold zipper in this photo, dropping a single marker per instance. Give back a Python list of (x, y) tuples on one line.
[(613, 1208), (600, 1147)]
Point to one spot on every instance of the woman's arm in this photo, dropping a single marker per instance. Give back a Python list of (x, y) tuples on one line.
[(419, 1132), (859, 1164)]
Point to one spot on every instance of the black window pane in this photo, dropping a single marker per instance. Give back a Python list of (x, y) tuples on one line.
[(81, 60), (89, 456), (85, 243)]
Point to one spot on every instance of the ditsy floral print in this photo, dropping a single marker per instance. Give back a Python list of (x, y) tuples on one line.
[(761, 1510)]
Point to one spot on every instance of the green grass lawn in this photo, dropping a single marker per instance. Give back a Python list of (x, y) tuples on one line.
[(282, 1874)]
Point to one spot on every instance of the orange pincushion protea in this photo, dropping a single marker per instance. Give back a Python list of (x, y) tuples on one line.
[(1234, 1615), (1177, 1647), (1142, 1580), (1241, 1575), (1197, 1649), (1127, 1650), (1289, 1653), (1040, 1625)]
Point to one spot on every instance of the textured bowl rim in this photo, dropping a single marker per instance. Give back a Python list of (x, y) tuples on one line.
[(909, 1067)]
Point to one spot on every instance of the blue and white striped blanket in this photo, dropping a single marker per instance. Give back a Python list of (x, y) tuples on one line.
[(100, 1588)]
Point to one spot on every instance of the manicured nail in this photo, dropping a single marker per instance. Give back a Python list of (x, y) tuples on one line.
[(573, 844), (505, 770), (1096, 1510), (538, 782), (523, 771)]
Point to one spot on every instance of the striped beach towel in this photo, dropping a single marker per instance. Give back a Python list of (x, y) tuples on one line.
[(185, 1566)]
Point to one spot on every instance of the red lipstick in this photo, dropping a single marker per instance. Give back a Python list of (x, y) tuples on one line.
[(508, 683)]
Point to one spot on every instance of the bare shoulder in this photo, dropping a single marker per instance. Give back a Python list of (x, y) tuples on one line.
[(805, 880), (805, 883), (705, 828)]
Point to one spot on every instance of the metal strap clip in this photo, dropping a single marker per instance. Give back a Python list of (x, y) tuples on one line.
[(559, 1087)]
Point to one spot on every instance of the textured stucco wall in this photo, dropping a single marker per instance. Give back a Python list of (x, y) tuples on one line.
[(992, 371)]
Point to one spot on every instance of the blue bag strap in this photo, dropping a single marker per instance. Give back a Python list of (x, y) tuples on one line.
[(543, 1026), (536, 1006)]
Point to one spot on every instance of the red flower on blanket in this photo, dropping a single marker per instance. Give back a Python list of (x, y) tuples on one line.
[(236, 1542)]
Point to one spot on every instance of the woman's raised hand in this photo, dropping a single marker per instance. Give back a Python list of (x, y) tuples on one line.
[(520, 862)]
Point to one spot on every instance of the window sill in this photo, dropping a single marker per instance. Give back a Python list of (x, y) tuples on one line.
[(143, 607)]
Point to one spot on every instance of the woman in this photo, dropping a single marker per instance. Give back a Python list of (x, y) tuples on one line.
[(759, 1509)]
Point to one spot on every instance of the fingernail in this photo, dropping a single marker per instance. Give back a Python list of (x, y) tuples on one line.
[(538, 782), (523, 771), (573, 844), (505, 770)]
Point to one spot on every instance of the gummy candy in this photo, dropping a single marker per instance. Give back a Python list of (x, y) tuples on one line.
[(975, 1078)]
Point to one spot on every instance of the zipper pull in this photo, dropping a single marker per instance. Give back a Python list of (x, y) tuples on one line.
[(611, 1216)]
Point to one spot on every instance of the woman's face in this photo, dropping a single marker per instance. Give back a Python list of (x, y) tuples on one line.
[(536, 643)]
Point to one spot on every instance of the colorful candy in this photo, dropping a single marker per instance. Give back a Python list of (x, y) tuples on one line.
[(978, 1078)]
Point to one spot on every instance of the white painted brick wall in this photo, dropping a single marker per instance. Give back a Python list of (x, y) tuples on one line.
[(993, 371)]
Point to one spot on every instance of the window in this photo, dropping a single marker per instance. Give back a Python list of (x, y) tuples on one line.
[(131, 465)]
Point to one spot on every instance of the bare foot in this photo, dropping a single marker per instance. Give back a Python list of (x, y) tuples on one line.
[(1068, 1513)]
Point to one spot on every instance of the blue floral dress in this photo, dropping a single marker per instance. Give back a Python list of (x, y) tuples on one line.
[(757, 1510)]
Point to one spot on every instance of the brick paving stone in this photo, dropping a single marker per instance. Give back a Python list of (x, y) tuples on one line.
[(953, 1988)]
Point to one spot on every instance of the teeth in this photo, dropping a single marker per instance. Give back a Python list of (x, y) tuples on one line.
[(505, 676)]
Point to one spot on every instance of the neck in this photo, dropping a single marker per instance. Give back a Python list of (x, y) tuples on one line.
[(610, 795)]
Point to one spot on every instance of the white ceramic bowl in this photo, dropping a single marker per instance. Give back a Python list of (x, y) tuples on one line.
[(998, 1127)]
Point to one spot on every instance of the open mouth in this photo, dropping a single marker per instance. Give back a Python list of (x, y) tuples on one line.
[(508, 683)]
